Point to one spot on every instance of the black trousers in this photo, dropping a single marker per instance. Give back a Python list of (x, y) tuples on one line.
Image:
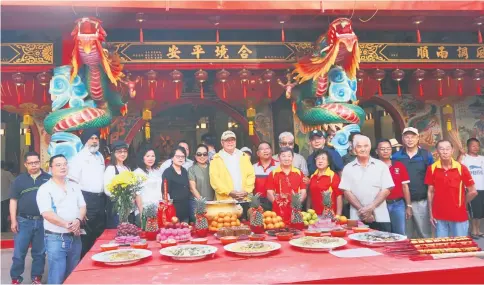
[(5, 214), (383, 227), (96, 219)]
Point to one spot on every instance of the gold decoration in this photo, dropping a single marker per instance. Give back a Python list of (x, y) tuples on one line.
[(30, 53), (28, 108), (372, 52)]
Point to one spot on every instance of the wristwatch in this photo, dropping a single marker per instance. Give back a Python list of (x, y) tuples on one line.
[(410, 206)]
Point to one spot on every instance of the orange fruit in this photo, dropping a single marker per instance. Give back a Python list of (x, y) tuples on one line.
[(268, 220), (233, 218), (220, 226), (237, 222), (220, 220), (273, 214), (266, 214), (226, 224), (214, 223), (279, 219), (343, 219), (221, 215), (233, 224), (282, 224), (226, 219), (270, 226)]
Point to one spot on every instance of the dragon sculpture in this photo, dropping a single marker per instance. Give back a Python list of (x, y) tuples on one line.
[(324, 92), (81, 93)]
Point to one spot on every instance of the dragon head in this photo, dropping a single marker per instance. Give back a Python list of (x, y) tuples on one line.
[(88, 30), (341, 34)]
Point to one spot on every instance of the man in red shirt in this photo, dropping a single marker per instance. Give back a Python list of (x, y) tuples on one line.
[(446, 179), (282, 181), (262, 169), (398, 202)]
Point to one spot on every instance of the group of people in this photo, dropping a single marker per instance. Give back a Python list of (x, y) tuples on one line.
[(404, 191)]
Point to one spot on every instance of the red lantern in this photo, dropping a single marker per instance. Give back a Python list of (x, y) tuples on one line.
[(44, 79), (267, 78), (244, 75), (151, 76), (360, 75), (439, 74), (379, 75), (419, 75), (458, 75), (222, 76), (177, 78), (477, 75), (398, 76), (201, 76)]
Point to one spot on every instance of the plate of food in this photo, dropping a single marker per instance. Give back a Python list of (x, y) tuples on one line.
[(121, 256), (188, 251), (376, 238), (273, 233), (252, 248), (318, 243)]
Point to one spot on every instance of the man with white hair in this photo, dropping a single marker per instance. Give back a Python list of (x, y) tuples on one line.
[(87, 170), (366, 183), (286, 139)]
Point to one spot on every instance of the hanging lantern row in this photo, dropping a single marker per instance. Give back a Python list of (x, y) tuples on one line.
[(223, 76), (419, 75)]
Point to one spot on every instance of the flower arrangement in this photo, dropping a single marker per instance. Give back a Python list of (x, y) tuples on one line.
[(123, 188)]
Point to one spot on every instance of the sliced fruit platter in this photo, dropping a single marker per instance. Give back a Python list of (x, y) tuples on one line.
[(318, 243), (188, 251), (121, 256), (273, 233), (252, 248), (377, 238)]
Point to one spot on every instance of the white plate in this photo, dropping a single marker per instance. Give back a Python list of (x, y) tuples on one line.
[(241, 237), (339, 242), (204, 251), (104, 256), (233, 247), (362, 238)]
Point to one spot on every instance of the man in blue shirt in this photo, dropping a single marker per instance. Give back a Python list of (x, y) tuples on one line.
[(27, 223), (318, 141), (416, 160)]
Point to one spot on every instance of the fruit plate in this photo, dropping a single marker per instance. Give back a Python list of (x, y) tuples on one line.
[(377, 238), (188, 252), (252, 248), (273, 233), (121, 256), (241, 237), (318, 243)]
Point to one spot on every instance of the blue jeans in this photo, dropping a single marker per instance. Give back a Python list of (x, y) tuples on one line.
[(451, 229), (29, 231), (397, 216), (63, 255)]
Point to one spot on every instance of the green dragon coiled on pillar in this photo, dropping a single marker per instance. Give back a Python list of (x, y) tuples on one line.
[(82, 93), (324, 93)]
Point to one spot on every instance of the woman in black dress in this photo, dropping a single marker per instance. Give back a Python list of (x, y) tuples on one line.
[(176, 178)]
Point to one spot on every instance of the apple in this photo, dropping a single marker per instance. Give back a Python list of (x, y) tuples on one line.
[(169, 225), (175, 220), (178, 225), (184, 225)]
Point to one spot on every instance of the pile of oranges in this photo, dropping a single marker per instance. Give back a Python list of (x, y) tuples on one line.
[(223, 220), (272, 221)]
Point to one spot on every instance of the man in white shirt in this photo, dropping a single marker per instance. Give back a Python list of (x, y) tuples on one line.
[(87, 170), (63, 208), (366, 183), (475, 164)]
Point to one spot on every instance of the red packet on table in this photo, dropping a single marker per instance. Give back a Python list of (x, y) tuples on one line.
[(166, 210)]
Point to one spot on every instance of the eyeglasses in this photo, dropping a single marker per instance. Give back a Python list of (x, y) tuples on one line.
[(202, 153), (33, 163), (179, 156), (286, 143)]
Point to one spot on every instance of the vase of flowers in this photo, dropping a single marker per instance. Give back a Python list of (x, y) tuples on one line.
[(123, 190)]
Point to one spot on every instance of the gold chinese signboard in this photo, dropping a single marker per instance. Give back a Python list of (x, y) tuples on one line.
[(27, 53), (193, 52)]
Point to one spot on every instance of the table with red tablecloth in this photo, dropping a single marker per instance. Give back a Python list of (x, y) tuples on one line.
[(288, 265)]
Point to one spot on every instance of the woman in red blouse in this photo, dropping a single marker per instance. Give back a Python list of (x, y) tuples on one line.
[(282, 182), (325, 180)]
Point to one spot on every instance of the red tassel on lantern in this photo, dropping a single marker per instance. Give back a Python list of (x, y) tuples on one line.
[(177, 90), (420, 89), (217, 36), (479, 36), (399, 90), (224, 95), (283, 34), (419, 39), (141, 36), (459, 87), (269, 92), (152, 91), (360, 90), (380, 93), (202, 96), (440, 88), (44, 98), (245, 89)]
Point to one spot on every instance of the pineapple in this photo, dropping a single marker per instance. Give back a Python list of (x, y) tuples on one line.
[(201, 223), (256, 217), (150, 218), (296, 215), (328, 212)]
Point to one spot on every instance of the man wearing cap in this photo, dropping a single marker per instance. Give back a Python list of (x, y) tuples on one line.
[(286, 139), (318, 141), (231, 172), (87, 170), (416, 160)]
